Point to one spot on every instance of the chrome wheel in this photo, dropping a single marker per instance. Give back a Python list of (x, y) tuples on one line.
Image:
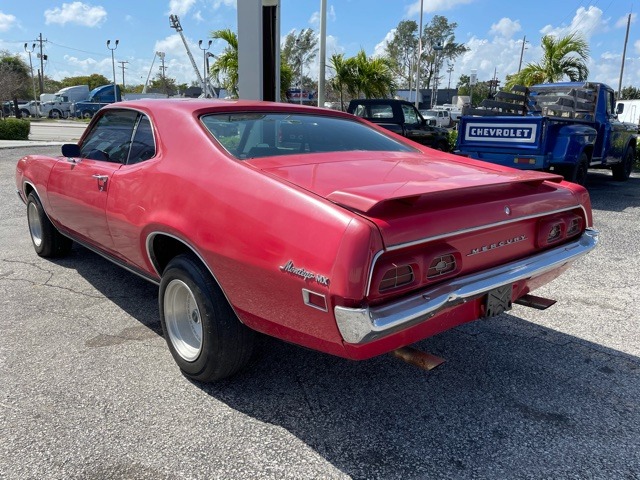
[(35, 226), (183, 321)]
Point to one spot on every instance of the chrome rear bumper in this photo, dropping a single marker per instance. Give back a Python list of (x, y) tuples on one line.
[(362, 325)]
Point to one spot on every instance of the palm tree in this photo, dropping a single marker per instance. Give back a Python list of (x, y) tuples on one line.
[(343, 75), (563, 57), (226, 64)]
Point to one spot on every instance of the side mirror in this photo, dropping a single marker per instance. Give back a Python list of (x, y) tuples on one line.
[(619, 108), (71, 150)]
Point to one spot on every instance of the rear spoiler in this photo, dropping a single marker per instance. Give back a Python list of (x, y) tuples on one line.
[(365, 199)]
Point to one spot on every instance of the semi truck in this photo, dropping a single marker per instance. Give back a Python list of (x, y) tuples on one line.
[(60, 105), (565, 128)]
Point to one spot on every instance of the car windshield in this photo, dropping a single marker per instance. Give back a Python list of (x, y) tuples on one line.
[(252, 135)]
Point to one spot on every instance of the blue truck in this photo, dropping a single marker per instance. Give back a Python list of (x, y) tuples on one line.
[(564, 128), (98, 98)]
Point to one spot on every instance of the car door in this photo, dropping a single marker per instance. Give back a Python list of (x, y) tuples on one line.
[(78, 187), (416, 129)]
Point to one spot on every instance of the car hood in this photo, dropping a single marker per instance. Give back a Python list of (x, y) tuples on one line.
[(410, 195)]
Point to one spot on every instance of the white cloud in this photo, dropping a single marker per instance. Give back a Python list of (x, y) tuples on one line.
[(315, 17), (622, 21), (76, 12), (7, 21), (380, 48), (198, 17), (586, 22), (505, 27), (227, 3), (431, 6), (180, 7)]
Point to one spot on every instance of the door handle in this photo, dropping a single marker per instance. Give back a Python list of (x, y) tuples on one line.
[(102, 181)]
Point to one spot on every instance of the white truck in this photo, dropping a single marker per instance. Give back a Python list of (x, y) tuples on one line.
[(60, 106), (437, 117), (30, 109), (629, 111)]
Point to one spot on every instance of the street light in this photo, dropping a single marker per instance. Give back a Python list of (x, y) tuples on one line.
[(113, 64), (204, 67), (33, 81), (436, 48)]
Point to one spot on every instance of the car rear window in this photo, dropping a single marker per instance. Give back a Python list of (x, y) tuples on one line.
[(253, 135)]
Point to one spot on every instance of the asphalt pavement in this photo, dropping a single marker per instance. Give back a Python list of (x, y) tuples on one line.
[(88, 388)]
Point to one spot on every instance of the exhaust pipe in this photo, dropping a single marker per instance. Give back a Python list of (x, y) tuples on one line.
[(417, 358), (532, 301)]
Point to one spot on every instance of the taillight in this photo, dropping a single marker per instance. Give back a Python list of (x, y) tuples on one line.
[(574, 226), (441, 265), (396, 276), (556, 229)]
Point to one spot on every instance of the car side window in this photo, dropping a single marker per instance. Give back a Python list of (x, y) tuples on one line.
[(143, 145), (410, 115), (110, 137)]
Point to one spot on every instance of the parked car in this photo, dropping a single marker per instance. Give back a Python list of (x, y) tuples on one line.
[(400, 117), (30, 109), (310, 225)]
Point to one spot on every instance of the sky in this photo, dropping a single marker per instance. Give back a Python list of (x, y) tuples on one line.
[(76, 33)]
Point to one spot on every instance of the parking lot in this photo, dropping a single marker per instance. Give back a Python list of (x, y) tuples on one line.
[(89, 389)]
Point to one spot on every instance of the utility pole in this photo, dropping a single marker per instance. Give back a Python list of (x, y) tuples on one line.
[(417, 103), (121, 62), (323, 52), (42, 57), (162, 69), (624, 53)]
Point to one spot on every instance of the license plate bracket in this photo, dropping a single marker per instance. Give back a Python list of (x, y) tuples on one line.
[(498, 301)]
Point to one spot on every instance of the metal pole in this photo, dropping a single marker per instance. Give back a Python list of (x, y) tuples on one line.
[(524, 40), (323, 51), (419, 55), (41, 66), (624, 53), (205, 77), (113, 64), (33, 81)]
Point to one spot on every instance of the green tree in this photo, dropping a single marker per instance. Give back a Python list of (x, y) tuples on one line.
[(438, 44), (480, 89), (561, 58), (93, 81), (15, 81), (343, 75), (225, 66), (629, 93), (373, 77), (402, 50)]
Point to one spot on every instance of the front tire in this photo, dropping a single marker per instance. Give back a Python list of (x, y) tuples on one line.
[(622, 171), (47, 240), (205, 337), (86, 114)]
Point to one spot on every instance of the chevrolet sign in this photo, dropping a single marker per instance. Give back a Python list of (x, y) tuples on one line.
[(501, 132)]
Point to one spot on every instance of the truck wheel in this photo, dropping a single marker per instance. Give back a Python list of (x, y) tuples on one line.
[(577, 173), (86, 114), (47, 240), (25, 113), (55, 114), (205, 337), (622, 170)]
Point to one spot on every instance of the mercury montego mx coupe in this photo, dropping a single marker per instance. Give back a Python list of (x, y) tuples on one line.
[(309, 225)]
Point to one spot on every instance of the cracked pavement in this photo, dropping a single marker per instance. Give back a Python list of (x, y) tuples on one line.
[(88, 388)]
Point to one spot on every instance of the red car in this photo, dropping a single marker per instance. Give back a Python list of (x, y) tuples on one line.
[(309, 225)]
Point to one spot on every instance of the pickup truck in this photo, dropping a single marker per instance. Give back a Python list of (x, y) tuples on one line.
[(437, 117), (565, 128), (403, 118), (98, 98), (30, 109)]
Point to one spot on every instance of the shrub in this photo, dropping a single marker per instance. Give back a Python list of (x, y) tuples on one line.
[(14, 129), (453, 137)]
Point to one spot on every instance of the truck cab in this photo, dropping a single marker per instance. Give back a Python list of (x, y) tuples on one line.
[(98, 98)]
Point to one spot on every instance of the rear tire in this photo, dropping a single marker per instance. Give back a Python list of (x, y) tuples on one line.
[(622, 170), (577, 173), (87, 114), (205, 337), (47, 240)]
